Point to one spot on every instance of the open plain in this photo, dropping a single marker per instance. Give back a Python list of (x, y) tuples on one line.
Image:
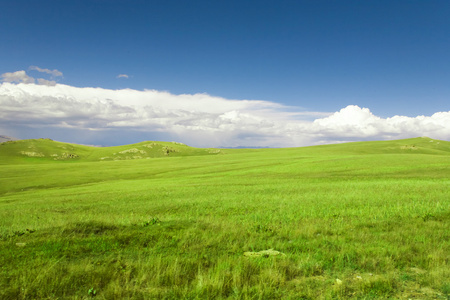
[(159, 220)]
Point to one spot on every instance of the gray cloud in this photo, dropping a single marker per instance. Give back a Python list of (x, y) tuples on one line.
[(17, 77), (54, 73), (23, 77), (46, 82)]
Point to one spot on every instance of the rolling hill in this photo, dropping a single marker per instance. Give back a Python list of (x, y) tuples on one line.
[(46, 150)]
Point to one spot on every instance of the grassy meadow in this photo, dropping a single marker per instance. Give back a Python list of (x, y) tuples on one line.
[(155, 220)]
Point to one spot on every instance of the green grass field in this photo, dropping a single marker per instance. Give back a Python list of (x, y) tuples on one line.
[(157, 220)]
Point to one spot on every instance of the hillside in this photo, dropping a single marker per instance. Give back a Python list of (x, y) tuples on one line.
[(46, 150), (420, 145), (4, 138)]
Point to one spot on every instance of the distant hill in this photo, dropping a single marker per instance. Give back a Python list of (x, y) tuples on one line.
[(4, 138), (420, 145), (46, 150)]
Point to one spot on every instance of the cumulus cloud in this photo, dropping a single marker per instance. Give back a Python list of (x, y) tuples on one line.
[(122, 76), (197, 119), (355, 122)]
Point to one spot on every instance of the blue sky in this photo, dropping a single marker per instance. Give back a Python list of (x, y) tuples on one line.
[(391, 57)]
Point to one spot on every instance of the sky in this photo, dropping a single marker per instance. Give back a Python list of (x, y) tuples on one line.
[(225, 73)]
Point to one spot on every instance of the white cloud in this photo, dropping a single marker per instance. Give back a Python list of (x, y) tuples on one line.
[(18, 77), (198, 120), (122, 76), (54, 73), (355, 122)]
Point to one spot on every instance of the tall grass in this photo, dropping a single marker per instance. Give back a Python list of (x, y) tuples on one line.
[(351, 224)]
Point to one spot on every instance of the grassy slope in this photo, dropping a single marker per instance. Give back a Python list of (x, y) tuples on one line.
[(374, 215), (46, 150)]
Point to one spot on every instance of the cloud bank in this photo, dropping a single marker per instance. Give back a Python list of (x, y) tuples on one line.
[(198, 120)]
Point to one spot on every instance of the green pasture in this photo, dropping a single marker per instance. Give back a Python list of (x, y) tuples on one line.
[(159, 220)]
